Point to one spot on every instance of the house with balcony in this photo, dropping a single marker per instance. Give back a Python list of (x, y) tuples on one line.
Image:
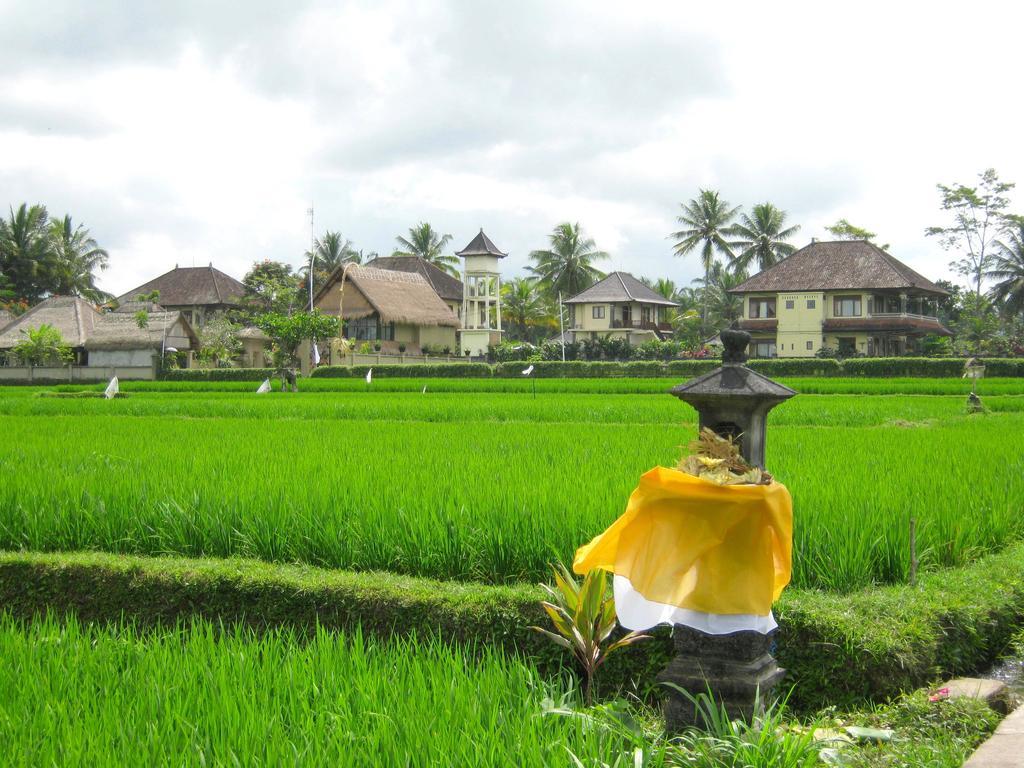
[(619, 306), (846, 295)]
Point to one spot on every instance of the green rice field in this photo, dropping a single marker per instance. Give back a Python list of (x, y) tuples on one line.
[(490, 484), (77, 695)]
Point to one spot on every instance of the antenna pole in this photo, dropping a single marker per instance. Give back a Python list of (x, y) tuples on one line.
[(312, 254), (561, 330)]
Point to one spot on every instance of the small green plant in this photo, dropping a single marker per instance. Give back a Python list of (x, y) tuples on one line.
[(142, 318), (583, 614), (401, 348), (43, 345)]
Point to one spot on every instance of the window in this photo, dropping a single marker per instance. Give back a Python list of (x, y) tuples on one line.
[(645, 315), (598, 312), (847, 306), (790, 304), (847, 346), (764, 349), (811, 303), (810, 345), (762, 308)]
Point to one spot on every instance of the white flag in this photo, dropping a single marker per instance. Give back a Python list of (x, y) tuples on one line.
[(528, 371), (424, 389), (316, 354), (112, 389), (369, 376), (264, 387)]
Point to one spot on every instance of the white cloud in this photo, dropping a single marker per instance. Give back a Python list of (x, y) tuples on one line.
[(187, 131)]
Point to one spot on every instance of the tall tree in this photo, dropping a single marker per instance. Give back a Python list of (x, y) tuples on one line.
[(1008, 268), (762, 238), (26, 252), (978, 213), (77, 258), (330, 252), (706, 223), (724, 307), (522, 305), (427, 243), (567, 266), (271, 286)]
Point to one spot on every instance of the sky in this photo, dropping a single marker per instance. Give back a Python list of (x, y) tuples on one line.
[(198, 132)]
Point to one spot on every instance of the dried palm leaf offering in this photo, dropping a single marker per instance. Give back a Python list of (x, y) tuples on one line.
[(717, 459)]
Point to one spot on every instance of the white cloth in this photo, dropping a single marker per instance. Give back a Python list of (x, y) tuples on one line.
[(316, 354), (637, 612), (112, 388), (369, 376), (264, 387)]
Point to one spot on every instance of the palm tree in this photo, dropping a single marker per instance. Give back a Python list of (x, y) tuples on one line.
[(705, 221), (567, 267), (724, 307), (522, 305), (77, 258), (26, 252), (331, 251), (762, 238), (424, 241), (1008, 268)]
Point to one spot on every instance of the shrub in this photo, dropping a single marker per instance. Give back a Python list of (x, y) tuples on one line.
[(690, 368), (904, 366), (1004, 367), (801, 366)]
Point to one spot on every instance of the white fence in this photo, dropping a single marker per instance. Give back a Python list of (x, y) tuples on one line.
[(385, 359), (74, 373)]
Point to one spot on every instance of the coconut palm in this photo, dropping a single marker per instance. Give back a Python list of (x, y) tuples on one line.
[(26, 252), (522, 305), (427, 243), (761, 238), (330, 252), (567, 266), (1008, 268), (724, 307), (706, 225), (77, 258)]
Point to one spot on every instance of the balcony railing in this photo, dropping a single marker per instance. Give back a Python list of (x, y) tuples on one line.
[(641, 325), (902, 314)]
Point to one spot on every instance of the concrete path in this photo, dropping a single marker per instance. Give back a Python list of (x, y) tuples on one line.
[(1005, 749)]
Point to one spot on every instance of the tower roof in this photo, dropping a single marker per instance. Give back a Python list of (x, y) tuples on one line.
[(481, 245)]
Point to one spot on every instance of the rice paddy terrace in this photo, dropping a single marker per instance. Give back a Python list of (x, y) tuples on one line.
[(489, 486), (474, 480)]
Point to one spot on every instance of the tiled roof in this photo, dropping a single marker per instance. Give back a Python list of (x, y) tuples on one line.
[(481, 245), (838, 265), (620, 286), (191, 286), (444, 285)]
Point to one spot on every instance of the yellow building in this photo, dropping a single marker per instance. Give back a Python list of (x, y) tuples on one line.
[(619, 306), (847, 295), (395, 309)]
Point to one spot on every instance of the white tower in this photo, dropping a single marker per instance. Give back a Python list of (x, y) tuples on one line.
[(481, 295)]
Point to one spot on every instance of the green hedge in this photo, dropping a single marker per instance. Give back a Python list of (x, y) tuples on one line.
[(1012, 367), (837, 648), (931, 367), (878, 367), (431, 371), (219, 374), (797, 366)]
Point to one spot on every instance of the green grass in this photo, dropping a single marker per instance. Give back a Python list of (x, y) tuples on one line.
[(78, 695), (488, 487), (643, 386)]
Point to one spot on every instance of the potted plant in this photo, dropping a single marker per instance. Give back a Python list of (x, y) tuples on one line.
[(376, 346), (401, 348)]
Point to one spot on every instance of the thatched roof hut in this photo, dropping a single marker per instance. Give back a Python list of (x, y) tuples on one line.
[(396, 297), (121, 331), (446, 286), (74, 317)]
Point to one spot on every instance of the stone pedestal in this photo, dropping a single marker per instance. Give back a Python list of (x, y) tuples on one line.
[(737, 668)]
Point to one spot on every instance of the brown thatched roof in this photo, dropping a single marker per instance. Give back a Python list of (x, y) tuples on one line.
[(72, 316), (82, 325), (252, 332), (620, 287), (444, 285), (481, 245), (120, 330), (839, 265), (397, 297), (191, 286)]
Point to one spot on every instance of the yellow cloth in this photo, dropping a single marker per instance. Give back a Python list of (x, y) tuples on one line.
[(687, 542)]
